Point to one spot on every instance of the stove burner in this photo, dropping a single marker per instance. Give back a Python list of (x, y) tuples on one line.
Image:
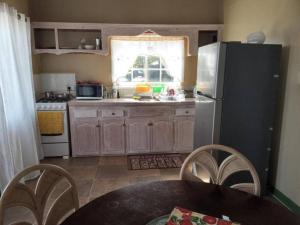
[(55, 99), (45, 100), (52, 97)]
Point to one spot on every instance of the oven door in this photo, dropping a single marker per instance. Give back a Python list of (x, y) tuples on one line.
[(58, 138)]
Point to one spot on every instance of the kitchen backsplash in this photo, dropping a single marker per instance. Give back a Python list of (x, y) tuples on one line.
[(56, 82)]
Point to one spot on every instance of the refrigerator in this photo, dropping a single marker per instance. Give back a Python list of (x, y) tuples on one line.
[(236, 95)]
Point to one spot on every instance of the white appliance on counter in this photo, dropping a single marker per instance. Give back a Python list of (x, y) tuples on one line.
[(60, 85)]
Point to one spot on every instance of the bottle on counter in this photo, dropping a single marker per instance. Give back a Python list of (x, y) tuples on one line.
[(115, 93), (97, 43)]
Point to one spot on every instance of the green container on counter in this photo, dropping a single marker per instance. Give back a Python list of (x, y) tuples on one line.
[(157, 88)]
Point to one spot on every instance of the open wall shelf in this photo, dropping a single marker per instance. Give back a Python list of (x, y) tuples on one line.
[(64, 38)]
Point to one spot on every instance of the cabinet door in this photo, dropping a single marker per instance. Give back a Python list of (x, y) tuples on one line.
[(138, 135), (162, 135), (86, 137), (113, 137), (184, 134)]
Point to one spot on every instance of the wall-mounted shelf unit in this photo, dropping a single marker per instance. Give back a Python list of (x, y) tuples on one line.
[(62, 38)]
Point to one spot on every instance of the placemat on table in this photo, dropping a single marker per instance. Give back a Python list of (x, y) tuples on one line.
[(180, 216)]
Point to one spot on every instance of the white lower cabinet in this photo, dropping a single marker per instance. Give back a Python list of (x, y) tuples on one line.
[(85, 135), (109, 132), (149, 135), (138, 135), (184, 134), (162, 135), (113, 137)]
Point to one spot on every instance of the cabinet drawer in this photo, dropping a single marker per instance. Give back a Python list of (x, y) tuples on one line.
[(85, 113), (110, 113), (185, 112), (149, 111)]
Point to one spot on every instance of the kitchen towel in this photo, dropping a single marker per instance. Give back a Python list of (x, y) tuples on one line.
[(51, 122)]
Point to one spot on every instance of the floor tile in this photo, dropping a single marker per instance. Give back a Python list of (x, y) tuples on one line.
[(72, 162), (113, 160), (64, 163), (83, 201), (103, 186), (143, 173), (84, 187), (111, 171), (83, 172), (170, 174), (84, 161), (135, 180)]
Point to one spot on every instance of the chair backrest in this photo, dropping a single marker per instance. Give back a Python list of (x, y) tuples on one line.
[(18, 194), (204, 158)]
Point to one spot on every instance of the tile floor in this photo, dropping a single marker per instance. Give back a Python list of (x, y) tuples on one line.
[(96, 176)]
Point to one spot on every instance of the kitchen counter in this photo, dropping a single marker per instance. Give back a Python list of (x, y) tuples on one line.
[(129, 101)]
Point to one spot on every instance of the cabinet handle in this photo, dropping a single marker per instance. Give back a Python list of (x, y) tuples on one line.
[(97, 125)]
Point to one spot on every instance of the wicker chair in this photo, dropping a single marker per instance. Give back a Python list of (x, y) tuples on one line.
[(204, 158), (18, 194)]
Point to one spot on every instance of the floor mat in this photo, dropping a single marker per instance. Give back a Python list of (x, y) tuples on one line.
[(154, 161)]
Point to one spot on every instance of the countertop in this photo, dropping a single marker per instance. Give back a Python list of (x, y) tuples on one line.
[(129, 101)]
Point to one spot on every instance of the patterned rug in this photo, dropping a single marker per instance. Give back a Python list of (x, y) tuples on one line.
[(156, 161)]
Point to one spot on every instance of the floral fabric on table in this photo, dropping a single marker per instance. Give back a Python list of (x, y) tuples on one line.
[(180, 216)]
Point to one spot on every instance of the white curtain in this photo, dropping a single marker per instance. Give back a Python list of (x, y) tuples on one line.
[(124, 52), (19, 140)]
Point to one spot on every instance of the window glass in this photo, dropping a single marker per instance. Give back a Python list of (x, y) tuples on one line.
[(147, 61)]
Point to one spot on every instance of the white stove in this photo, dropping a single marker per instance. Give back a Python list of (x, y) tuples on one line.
[(55, 145), (56, 89)]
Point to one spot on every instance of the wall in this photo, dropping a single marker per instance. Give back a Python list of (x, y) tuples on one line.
[(91, 67), (119, 11), (23, 7), (129, 11), (279, 19)]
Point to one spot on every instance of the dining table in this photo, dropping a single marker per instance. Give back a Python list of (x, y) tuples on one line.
[(141, 203)]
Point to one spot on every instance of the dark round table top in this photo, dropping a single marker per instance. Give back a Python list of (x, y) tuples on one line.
[(138, 204)]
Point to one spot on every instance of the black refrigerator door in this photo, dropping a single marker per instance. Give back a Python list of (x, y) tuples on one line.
[(249, 100)]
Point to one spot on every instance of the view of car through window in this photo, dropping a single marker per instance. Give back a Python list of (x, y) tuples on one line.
[(148, 68)]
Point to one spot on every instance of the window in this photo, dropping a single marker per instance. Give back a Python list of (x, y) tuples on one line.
[(148, 68), (136, 61)]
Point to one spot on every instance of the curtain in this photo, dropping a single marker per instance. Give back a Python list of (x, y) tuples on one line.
[(19, 139), (124, 52)]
